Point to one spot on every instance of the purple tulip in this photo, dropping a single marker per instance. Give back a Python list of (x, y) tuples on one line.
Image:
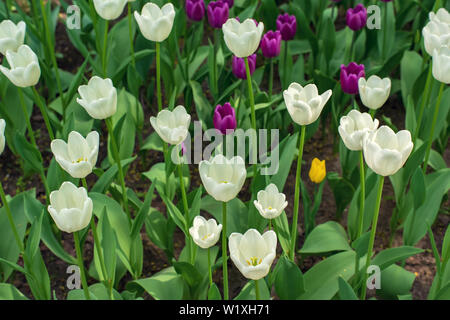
[(349, 77), (224, 118), (287, 25), (238, 66), (386, 0), (195, 9), (357, 17), (229, 2), (271, 44), (217, 13)]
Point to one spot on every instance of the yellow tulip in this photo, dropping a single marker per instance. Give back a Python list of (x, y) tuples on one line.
[(318, 171)]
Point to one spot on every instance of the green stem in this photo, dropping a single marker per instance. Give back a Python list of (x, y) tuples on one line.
[(270, 224), (257, 290), (433, 127), (372, 236), (224, 251), (10, 219), (76, 239), (285, 64), (383, 56), (105, 47), (297, 192), (130, 34), (270, 79), (253, 114), (43, 110), (362, 195), (186, 213), (209, 268), (216, 49), (424, 103), (158, 75), (372, 113), (27, 117)]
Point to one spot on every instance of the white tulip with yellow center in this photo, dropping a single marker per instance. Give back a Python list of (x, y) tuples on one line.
[(155, 23), (172, 126), (253, 253), (374, 91), (353, 128), (205, 233), (98, 98), (11, 35), (79, 155), (109, 9), (25, 70), (270, 203), (242, 38)]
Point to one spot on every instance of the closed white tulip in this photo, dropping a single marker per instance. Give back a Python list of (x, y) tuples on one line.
[(172, 126), (270, 203), (253, 253), (242, 38), (98, 98), (11, 35), (386, 152), (435, 34), (441, 64), (304, 104), (353, 128), (374, 91), (109, 9), (155, 23), (79, 155), (223, 178), (70, 207), (2, 135), (205, 233), (24, 64)]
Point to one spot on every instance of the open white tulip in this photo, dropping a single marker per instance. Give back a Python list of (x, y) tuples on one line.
[(304, 103), (223, 178), (98, 98), (2, 135), (172, 126), (109, 9), (205, 233), (253, 253), (25, 70), (79, 155), (155, 23), (441, 64), (270, 203), (70, 207), (242, 38), (374, 91), (353, 128), (11, 35), (386, 152)]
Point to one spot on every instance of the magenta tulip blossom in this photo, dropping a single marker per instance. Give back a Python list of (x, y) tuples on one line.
[(218, 12), (350, 76), (287, 25), (271, 44), (224, 118), (356, 18), (238, 66), (195, 9), (229, 2)]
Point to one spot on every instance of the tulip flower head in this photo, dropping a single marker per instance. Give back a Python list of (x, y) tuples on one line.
[(385, 151), (318, 171), (98, 98), (374, 92), (354, 127), (172, 126), (25, 70), (230, 3), (304, 104), (242, 38), (218, 12), (253, 253), (441, 64), (270, 203), (70, 207), (350, 76), (287, 25), (11, 35), (271, 44), (238, 66), (79, 155), (225, 118), (155, 23), (205, 233), (195, 9), (436, 33), (109, 9), (223, 178), (356, 18), (2, 135)]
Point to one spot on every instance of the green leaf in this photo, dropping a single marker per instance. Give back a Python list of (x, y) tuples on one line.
[(326, 237), (106, 178), (342, 190), (214, 293), (418, 187), (28, 153), (9, 292), (143, 212), (395, 281), (346, 291), (389, 256), (289, 283), (248, 292)]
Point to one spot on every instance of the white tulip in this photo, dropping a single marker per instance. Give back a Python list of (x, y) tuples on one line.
[(353, 128), (98, 98), (270, 203), (436, 33), (374, 91), (441, 16), (386, 152), (79, 155), (441, 64), (155, 23), (109, 9), (252, 253), (242, 38), (223, 178), (70, 207), (11, 35), (172, 126), (24, 64), (2, 135), (205, 233), (304, 103)]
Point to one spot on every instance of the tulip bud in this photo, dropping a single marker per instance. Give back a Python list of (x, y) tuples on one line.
[(172, 126), (2, 135), (98, 98), (224, 118), (242, 38), (230, 3), (195, 9), (374, 92), (318, 171), (11, 35), (238, 66), (271, 44), (25, 70), (109, 9), (350, 76), (270, 203), (217, 13), (205, 233), (70, 207), (287, 25), (356, 18), (353, 128), (441, 64), (253, 253), (155, 23)]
